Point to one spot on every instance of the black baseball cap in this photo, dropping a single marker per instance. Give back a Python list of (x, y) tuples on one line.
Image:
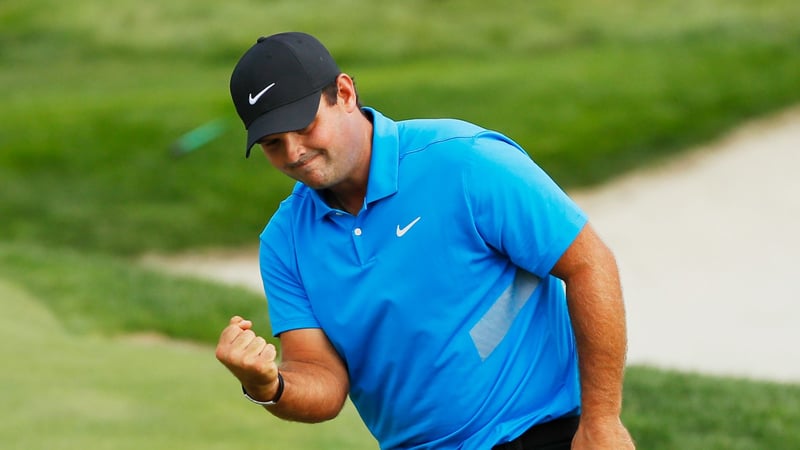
[(277, 84)]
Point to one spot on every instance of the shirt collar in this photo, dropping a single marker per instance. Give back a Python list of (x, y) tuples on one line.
[(385, 161)]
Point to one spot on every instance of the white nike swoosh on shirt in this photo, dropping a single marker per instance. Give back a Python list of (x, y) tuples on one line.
[(253, 100), (404, 230)]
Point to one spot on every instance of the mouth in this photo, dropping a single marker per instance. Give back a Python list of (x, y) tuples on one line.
[(303, 161)]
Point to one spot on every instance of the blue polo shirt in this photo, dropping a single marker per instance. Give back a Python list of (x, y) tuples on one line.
[(437, 295)]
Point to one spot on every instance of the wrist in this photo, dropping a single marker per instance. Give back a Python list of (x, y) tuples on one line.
[(604, 421), (275, 397)]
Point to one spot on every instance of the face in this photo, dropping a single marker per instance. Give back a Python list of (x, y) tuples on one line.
[(320, 155)]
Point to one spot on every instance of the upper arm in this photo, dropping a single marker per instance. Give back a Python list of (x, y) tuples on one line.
[(585, 254), (310, 346), (517, 208), (287, 299)]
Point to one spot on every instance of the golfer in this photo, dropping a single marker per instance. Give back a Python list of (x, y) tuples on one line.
[(429, 269)]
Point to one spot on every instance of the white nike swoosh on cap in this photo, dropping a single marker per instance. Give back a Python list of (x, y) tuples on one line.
[(253, 100)]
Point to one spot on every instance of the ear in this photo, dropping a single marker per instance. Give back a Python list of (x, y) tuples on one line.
[(347, 92)]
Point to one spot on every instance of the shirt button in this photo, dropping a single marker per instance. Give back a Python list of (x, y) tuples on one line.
[(357, 231)]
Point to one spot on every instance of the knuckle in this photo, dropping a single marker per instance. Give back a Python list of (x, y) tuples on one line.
[(227, 334), (220, 354), (253, 363), (226, 357), (248, 334)]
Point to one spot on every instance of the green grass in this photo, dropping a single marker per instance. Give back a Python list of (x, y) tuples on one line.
[(105, 295), (63, 391), (671, 410), (67, 391), (76, 379), (95, 93)]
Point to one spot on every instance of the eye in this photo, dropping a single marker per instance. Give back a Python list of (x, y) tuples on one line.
[(268, 144)]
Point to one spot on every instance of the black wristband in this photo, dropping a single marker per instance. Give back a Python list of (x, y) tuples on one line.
[(274, 399)]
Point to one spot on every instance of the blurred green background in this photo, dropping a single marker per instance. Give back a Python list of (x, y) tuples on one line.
[(95, 95)]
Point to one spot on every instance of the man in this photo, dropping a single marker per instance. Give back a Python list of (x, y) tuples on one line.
[(420, 267)]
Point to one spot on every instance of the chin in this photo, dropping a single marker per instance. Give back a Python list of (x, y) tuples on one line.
[(315, 184)]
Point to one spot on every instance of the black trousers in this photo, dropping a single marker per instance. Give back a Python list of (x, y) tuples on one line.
[(553, 435)]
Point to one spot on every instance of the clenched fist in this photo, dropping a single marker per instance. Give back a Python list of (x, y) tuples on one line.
[(250, 358)]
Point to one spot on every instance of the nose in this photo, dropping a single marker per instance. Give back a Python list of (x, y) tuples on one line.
[(295, 150)]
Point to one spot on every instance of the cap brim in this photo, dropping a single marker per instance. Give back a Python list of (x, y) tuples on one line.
[(291, 117)]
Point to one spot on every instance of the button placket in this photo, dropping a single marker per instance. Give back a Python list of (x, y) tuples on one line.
[(358, 236)]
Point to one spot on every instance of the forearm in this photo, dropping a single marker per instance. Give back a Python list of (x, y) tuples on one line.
[(315, 379), (598, 318), (311, 393), (596, 309)]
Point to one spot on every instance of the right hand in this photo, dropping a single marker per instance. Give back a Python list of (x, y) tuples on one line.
[(250, 358)]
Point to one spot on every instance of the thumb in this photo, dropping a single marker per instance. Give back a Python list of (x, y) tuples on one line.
[(244, 324)]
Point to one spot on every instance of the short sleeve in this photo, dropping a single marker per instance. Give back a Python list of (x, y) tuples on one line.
[(289, 307), (518, 209)]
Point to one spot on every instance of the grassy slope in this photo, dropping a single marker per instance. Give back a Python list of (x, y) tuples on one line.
[(67, 391), (668, 410), (99, 294), (99, 92), (63, 391)]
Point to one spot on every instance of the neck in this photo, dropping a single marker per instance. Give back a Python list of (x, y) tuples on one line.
[(349, 195), (349, 203)]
